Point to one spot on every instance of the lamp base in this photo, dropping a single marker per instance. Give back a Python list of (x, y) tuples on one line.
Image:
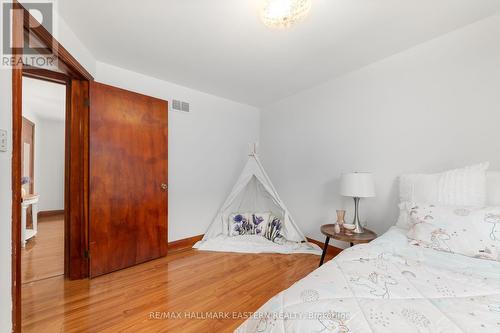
[(358, 228)]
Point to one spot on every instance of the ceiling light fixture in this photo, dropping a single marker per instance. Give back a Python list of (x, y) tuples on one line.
[(284, 13)]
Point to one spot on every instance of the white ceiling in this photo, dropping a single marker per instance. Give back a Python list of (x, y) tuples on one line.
[(221, 46), (44, 99)]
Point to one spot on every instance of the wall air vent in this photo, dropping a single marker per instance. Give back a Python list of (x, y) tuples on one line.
[(180, 106), (176, 105)]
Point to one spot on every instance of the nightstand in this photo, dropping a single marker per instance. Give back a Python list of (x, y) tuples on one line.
[(328, 230)]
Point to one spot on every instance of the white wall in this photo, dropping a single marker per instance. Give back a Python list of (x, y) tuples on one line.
[(70, 41), (49, 165), (433, 107), (207, 147)]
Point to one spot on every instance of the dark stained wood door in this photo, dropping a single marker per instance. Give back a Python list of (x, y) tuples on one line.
[(28, 163), (128, 175), (28, 154)]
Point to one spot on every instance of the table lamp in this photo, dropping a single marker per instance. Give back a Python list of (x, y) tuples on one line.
[(357, 185)]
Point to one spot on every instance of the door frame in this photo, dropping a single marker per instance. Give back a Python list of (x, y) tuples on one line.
[(32, 154), (76, 78)]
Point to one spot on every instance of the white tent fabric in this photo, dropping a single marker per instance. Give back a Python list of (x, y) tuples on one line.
[(254, 192)]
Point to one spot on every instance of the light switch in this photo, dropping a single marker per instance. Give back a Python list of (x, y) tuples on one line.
[(3, 140)]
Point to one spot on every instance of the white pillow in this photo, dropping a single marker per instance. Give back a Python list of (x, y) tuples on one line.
[(419, 188), (237, 223), (466, 186), (274, 230), (493, 188), (403, 219), (474, 232), (248, 224), (260, 222)]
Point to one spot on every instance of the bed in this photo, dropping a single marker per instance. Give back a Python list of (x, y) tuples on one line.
[(388, 285)]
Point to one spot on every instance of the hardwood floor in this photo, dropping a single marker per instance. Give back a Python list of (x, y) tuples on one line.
[(43, 256), (187, 281)]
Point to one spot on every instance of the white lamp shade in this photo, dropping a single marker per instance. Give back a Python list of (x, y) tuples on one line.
[(357, 184)]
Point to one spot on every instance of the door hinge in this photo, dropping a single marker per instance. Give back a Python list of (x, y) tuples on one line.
[(86, 102), (86, 254)]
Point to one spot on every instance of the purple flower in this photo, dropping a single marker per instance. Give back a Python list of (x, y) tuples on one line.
[(238, 218), (257, 219)]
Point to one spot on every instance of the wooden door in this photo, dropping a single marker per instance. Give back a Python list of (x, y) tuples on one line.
[(128, 175), (28, 163), (28, 154)]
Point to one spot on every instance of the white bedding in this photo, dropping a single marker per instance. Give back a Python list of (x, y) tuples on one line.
[(388, 286), (254, 244)]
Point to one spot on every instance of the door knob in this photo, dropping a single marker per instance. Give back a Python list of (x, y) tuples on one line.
[(164, 187)]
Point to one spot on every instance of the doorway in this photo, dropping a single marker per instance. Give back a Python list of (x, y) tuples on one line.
[(75, 80), (42, 192)]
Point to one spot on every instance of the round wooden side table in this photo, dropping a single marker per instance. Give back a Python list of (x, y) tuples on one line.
[(328, 230)]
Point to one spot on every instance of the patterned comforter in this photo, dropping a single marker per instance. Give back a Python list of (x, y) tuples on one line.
[(388, 286)]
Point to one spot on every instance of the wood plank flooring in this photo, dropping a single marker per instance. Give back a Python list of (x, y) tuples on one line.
[(43, 256), (188, 281)]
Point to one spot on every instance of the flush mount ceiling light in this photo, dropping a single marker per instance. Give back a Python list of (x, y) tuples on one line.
[(284, 13)]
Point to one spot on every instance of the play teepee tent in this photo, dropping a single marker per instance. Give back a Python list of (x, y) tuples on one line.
[(253, 193)]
